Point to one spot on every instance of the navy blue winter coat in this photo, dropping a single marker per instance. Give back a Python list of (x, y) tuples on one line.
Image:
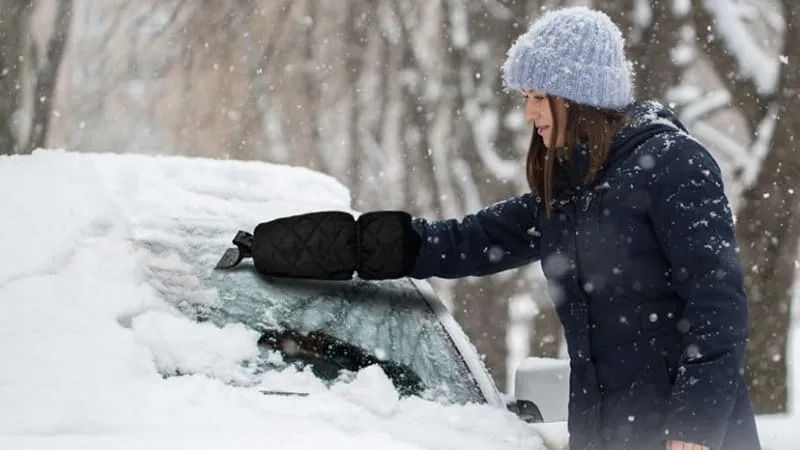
[(643, 270)]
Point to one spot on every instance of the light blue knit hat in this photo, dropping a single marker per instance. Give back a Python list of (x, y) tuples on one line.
[(574, 53)]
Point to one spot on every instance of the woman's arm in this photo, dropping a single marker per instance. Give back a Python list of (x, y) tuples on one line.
[(499, 237), (333, 245)]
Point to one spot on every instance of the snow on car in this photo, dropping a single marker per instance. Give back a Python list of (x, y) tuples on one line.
[(116, 331)]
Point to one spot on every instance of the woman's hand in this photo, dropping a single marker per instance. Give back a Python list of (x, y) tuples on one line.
[(680, 445)]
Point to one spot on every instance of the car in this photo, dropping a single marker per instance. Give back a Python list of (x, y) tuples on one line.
[(336, 328), (162, 223)]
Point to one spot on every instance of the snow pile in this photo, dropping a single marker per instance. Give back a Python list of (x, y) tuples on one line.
[(84, 337)]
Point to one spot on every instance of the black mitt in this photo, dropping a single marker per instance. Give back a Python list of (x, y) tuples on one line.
[(330, 245)]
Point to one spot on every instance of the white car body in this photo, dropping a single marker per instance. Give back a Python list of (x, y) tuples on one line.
[(91, 339)]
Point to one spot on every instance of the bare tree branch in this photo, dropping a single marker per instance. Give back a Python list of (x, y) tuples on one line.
[(736, 151), (172, 17), (705, 107), (743, 90)]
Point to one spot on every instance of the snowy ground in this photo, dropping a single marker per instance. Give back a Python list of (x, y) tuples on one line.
[(77, 376), (782, 432)]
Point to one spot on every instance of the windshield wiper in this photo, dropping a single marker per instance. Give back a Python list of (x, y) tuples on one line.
[(328, 355), (286, 393)]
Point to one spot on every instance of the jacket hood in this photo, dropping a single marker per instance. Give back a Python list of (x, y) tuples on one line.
[(644, 119)]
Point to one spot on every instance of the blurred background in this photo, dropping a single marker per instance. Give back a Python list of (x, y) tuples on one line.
[(402, 101)]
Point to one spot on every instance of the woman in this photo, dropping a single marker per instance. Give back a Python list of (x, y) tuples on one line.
[(628, 216)]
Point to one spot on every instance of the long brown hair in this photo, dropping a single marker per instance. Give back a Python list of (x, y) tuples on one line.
[(588, 125)]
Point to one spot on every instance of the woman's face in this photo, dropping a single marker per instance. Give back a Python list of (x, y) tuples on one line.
[(537, 110)]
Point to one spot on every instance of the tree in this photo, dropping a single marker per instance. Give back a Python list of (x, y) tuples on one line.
[(652, 34), (24, 73), (764, 88), (14, 41), (45, 75)]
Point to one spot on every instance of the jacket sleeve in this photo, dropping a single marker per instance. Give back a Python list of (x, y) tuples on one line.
[(499, 237), (694, 224)]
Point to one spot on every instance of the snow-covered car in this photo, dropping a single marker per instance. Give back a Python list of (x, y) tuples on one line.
[(116, 322)]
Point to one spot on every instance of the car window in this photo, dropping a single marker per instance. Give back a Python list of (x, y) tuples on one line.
[(334, 327)]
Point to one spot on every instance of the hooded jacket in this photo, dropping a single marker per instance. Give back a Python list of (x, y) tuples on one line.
[(643, 269)]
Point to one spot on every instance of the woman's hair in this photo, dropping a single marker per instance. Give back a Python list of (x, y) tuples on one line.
[(594, 127)]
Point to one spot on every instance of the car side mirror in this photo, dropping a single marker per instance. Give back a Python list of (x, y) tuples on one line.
[(526, 410), (544, 383)]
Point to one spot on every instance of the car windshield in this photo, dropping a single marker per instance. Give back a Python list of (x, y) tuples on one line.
[(333, 327)]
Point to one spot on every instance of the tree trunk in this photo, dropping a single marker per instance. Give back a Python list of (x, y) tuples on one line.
[(14, 38), (354, 41), (768, 234), (649, 47), (47, 75), (481, 307), (547, 331)]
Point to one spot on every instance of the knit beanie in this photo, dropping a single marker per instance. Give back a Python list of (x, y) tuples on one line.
[(574, 53)]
